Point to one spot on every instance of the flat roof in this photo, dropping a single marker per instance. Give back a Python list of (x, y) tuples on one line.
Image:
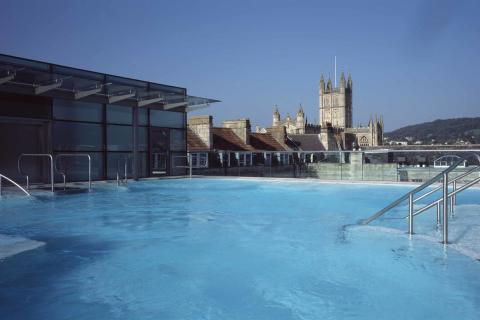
[(32, 77)]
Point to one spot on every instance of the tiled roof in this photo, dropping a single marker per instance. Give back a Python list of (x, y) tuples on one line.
[(226, 139), (265, 141), (194, 142), (307, 142)]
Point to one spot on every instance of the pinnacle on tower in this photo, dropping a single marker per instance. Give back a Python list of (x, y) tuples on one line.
[(349, 81), (300, 109), (329, 85), (342, 80), (322, 84)]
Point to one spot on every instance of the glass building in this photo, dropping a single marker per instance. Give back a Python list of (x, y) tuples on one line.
[(51, 110)]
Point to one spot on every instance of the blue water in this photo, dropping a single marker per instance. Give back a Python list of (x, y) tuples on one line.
[(227, 249)]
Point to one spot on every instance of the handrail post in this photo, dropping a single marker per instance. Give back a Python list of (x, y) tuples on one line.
[(445, 208), (0, 185), (126, 177), (410, 214), (438, 213), (189, 159), (89, 172), (454, 197), (51, 172)]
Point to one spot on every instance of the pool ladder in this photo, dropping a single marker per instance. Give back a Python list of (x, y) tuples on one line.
[(444, 204), (125, 175), (53, 167)]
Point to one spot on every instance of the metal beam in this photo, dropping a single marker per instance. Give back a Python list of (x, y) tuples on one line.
[(169, 106), (85, 93), (146, 102), (120, 97), (39, 89), (8, 77)]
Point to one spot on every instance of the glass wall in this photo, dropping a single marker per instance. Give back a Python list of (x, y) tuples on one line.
[(106, 133)]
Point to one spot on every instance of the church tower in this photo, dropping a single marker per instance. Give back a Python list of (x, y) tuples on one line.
[(276, 118), (335, 103), (300, 121)]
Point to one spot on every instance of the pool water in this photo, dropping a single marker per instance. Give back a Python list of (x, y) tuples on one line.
[(228, 249)]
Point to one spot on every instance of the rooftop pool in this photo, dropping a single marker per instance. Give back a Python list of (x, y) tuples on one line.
[(231, 249)]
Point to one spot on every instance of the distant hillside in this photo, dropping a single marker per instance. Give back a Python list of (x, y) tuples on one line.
[(441, 131)]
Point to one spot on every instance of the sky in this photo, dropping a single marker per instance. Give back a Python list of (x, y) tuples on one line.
[(411, 61)]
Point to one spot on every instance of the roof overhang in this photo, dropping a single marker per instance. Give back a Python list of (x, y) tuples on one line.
[(24, 76)]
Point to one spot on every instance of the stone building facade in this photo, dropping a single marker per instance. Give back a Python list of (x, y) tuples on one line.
[(335, 130)]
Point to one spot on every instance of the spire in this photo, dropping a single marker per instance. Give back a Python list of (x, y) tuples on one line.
[(329, 85), (349, 81), (322, 84), (300, 109)]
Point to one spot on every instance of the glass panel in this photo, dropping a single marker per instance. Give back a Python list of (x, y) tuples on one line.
[(13, 105), (68, 136), (142, 139), (76, 168), (143, 165), (119, 138), (159, 138), (177, 140), (167, 119), (119, 114), (159, 163), (116, 163), (178, 159), (143, 117), (77, 110)]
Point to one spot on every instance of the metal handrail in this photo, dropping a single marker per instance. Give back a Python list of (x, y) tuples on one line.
[(13, 182), (36, 155), (63, 173), (449, 182), (450, 195), (446, 199), (125, 177), (411, 193)]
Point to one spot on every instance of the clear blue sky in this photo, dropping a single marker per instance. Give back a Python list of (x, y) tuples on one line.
[(412, 61)]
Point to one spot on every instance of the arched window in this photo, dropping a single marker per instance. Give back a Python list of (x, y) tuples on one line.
[(363, 141)]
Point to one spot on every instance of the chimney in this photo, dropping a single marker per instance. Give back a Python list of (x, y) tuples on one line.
[(202, 127), (240, 127), (279, 133)]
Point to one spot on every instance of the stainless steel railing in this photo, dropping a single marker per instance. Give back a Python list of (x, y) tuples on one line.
[(45, 155), (64, 174), (125, 165), (12, 182), (446, 199)]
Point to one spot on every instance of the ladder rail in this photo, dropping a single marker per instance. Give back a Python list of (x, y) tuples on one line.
[(12, 182), (463, 175), (125, 174), (64, 174), (451, 195), (47, 155), (406, 196)]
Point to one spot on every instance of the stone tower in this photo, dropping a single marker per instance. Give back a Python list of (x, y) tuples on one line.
[(300, 121), (276, 118), (335, 103)]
